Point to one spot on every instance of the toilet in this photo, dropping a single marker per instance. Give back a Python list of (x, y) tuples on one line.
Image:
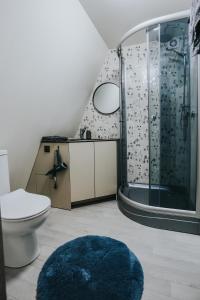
[(22, 214)]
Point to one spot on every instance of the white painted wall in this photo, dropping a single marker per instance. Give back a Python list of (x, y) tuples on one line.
[(113, 18), (50, 55)]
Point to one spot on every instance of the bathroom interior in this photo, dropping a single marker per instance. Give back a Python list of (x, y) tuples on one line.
[(99, 141)]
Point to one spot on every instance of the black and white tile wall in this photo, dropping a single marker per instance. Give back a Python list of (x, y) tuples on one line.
[(194, 26), (103, 126)]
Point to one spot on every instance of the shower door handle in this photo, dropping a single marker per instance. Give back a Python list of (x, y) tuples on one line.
[(193, 115)]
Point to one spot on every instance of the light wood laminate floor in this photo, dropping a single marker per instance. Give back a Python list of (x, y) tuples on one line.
[(171, 260)]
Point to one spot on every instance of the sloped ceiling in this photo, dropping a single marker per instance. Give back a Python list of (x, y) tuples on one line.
[(113, 18), (50, 56)]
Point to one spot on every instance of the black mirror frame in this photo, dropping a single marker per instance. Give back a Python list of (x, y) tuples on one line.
[(105, 114)]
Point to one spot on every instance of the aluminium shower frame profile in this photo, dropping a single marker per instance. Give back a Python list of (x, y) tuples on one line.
[(165, 218), (153, 22), (198, 144)]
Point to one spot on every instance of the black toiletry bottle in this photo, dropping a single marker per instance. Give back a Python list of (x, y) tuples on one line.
[(88, 135)]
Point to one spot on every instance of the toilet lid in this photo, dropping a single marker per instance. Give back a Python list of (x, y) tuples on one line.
[(21, 205)]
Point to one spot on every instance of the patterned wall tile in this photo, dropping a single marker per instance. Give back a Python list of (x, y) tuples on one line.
[(103, 126)]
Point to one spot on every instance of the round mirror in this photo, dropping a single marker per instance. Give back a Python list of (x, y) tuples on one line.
[(106, 98)]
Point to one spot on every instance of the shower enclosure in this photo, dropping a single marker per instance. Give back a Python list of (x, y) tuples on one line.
[(159, 97)]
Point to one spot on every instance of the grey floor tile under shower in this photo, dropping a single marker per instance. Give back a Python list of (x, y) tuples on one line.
[(171, 260)]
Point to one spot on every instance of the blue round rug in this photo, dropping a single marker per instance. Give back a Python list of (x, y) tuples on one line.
[(91, 268)]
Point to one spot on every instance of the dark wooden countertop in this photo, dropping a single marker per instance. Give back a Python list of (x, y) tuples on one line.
[(71, 140)]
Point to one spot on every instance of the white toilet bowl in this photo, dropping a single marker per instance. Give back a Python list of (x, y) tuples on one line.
[(22, 213)]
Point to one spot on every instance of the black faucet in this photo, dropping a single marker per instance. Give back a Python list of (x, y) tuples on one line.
[(82, 131)]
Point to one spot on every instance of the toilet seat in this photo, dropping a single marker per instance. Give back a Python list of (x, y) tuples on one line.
[(21, 205)]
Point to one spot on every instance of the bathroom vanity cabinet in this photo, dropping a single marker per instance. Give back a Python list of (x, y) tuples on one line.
[(91, 172)]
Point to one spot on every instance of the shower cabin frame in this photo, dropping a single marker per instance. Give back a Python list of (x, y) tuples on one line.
[(158, 217)]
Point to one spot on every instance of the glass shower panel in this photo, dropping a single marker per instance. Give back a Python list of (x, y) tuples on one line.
[(153, 41), (170, 124), (175, 121), (136, 102), (194, 129)]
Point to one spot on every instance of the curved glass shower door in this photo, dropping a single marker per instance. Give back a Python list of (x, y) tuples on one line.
[(135, 133), (160, 134), (171, 120)]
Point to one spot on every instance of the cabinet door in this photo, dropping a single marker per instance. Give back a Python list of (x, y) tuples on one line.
[(81, 170), (105, 168)]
